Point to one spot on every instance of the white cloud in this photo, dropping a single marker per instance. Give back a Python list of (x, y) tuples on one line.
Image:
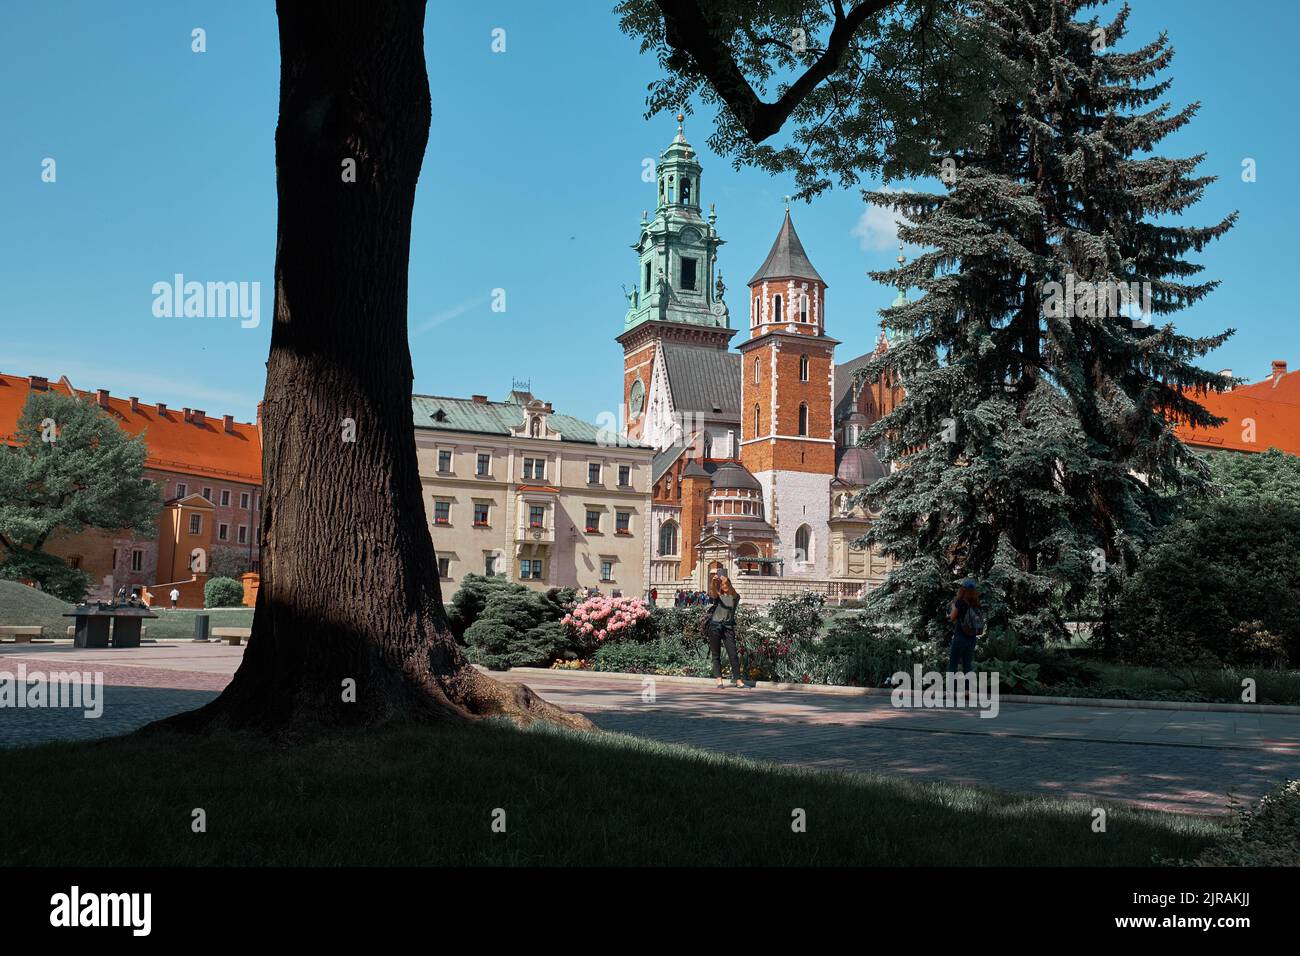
[(877, 227)]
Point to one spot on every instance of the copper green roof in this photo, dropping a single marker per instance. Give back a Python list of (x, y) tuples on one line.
[(441, 413)]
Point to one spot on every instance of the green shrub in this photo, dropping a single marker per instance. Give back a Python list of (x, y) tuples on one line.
[(869, 654), (1217, 587), (223, 592), (518, 627), (1267, 834), (797, 616), (663, 655), (51, 573)]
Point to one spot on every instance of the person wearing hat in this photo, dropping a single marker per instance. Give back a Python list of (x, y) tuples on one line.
[(967, 624)]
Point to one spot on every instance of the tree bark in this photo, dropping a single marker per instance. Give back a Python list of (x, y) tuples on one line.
[(349, 589)]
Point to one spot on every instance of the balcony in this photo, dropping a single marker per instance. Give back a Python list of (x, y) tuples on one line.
[(529, 533)]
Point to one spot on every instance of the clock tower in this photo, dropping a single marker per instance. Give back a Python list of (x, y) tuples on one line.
[(677, 296)]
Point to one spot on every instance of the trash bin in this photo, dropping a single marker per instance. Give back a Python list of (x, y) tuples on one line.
[(201, 627)]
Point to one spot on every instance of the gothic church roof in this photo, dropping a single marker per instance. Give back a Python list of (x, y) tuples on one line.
[(787, 260)]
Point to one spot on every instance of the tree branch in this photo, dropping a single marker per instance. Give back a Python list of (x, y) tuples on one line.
[(689, 32)]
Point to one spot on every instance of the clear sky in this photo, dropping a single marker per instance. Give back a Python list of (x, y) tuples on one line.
[(532, 183)]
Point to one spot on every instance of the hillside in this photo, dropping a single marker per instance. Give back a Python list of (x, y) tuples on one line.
[(20, 604)]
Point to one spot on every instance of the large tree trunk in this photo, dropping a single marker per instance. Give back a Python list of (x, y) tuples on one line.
[(349, 588)]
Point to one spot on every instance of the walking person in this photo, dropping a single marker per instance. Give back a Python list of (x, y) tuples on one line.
[(967, 624), (721, 627), (175, 596)]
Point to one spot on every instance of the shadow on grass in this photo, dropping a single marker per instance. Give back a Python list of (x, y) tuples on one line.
[(422, 796)]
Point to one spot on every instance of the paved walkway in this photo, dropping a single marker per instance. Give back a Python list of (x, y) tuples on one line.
[(1195, 761)]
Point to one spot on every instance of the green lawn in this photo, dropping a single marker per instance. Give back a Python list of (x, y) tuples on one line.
[(20, 604), (426, 796)]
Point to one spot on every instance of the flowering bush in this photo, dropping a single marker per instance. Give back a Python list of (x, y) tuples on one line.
[(599, 619)]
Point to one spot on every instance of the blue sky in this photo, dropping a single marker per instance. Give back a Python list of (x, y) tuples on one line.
[(532, 183)]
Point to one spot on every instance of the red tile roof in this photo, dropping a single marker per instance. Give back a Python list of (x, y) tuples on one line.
[(1271, 411), (197, 447)]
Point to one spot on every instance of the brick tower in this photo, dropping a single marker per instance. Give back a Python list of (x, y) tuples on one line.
[(787, 396), (677, 298)]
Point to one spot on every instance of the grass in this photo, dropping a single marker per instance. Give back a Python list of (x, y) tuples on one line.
[(425, 796), (22, 605)]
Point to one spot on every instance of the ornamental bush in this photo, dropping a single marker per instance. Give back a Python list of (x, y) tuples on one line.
[(598, 619), (517, 628), (223, 592)]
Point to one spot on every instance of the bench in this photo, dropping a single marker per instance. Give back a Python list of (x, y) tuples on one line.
[(22, 633), (234, 635)]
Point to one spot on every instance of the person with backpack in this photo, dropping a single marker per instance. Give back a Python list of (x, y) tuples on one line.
[(967, 624)]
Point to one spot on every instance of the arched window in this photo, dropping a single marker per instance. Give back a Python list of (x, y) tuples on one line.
[(686, 190), (671, 189), (668, 538), (803, 419), (803, 308), (803, 368), (776, 308), (803, 543), (708, 445), (755, 435), (753, 311), (755, 371)]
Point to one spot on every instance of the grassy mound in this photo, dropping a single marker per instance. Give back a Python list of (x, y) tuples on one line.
[(28, 607), (428, 796)]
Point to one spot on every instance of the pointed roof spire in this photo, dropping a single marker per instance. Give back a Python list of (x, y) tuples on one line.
[(787, 260)]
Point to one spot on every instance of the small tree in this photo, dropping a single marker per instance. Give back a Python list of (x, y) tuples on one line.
[(223, 592), (72, 469)]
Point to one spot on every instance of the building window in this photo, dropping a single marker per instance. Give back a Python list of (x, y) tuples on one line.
[(606, 571), (647, 268), (686, 190), (207, 493), (593, 522), (622, 520), (593, 473), (484, 465), (668, 538), (243, 500), (444, 461), (624, 475), (756, 372), (442, 512), (803, 543), (755, 421), (688, 274), (776, 308), (74, 562), (803, 419), (137, 560), (444, 568), (530, 569), (223, 532), (535, 469), (181, 489), (196, 524), (537, 516), (490, 565), (480, 515), (803, 308), (225, 497), (803, 368), (243, 534)]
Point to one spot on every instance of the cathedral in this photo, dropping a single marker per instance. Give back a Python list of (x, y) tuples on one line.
[(756, 458)]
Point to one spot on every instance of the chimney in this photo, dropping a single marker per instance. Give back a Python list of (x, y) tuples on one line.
[(162, 408), (1279, 368), (199, 417), (135, 403), (38, 383), (480, 399), (1226, 373), (187, 414), (101, 397), (228, 423)]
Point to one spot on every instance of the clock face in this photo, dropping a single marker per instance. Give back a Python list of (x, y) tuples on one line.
[(636, 399)]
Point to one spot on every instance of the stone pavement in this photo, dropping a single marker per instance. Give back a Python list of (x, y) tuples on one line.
[(1197, 761)]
